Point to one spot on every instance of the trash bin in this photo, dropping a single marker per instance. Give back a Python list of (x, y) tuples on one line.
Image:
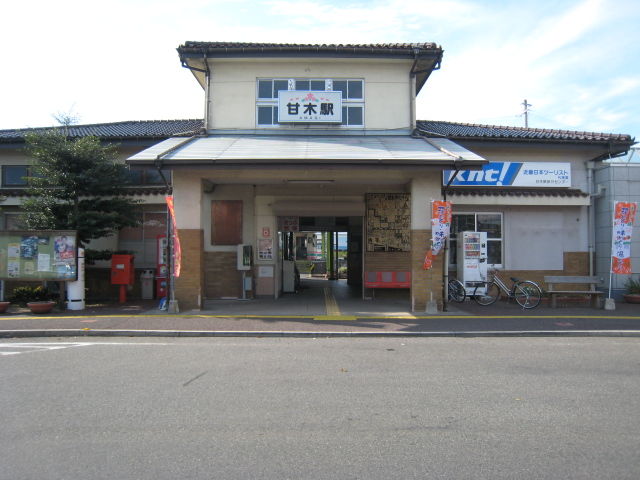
[(146, 278)]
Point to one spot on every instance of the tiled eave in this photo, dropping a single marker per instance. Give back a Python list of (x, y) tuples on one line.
[(517, 196), (516, 192), (128, 191), (139, 130), (496, 133), (192, 48)]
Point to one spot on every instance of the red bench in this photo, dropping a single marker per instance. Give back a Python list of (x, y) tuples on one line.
[(387, 279)]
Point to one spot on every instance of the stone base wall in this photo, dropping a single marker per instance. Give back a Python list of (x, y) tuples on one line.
[(574, 263), (221, 276), (387, 261), (189, 285)]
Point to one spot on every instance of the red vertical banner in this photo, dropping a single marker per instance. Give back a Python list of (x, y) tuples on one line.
[(623, 218), (441, 214), (175, 240)]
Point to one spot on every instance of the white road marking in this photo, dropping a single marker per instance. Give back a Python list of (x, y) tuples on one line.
[(17, 348)]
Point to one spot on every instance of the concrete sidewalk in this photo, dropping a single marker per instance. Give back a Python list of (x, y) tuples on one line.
[(325, 311)]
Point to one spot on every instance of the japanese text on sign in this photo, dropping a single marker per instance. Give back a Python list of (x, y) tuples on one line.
[(623, 218), (309, 106), (513, 174), (440, 227)]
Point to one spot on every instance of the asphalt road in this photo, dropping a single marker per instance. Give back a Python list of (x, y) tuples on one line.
[(286, 408)]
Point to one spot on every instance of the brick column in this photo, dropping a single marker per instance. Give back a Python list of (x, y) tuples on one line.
[(423, 282), (190, 283)]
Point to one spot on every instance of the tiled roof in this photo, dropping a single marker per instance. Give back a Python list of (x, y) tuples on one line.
[(367, 48), (470, 131), (128, 190), (161, 129), (133, 130), (515, 192)]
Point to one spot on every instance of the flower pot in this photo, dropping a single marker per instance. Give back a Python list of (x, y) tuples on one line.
[(632, 297), (4, 306), (41, 307)]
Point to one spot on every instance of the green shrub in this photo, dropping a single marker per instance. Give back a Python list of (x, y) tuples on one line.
[(633, 286), (23, 295)]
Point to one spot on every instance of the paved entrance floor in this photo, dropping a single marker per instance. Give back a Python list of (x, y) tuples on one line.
[(318, 297)]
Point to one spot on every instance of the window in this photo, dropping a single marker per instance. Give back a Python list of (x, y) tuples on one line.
[(14, 175), (226, 222), (12, 221), (143, 238), (148, 176), (479, 222), (352, 98)]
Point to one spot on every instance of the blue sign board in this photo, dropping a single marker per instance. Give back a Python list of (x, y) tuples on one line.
[(513, 174)]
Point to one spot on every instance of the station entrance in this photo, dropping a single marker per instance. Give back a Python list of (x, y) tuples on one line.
[(322, 252)]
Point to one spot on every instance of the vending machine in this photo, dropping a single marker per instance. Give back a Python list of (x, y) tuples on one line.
[(161, 267), (472, 259)]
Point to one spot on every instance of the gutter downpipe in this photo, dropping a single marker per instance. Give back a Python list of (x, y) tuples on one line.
[(207, 87), (172, 304), (412, 90), (591, 214), (593, 194), (445, 268), (457, 165)]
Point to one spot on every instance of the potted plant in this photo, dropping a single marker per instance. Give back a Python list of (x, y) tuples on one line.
[(4, 306), (38, 299), (633, 291)]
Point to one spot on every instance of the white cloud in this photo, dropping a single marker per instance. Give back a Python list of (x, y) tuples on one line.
[(574, 60)]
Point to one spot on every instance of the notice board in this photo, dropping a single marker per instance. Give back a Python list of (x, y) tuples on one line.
[(38, 255)]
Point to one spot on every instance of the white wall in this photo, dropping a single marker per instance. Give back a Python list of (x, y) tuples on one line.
[(233, 88), (535, 238), (619, 182)]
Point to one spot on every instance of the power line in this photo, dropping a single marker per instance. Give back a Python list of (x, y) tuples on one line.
[(526, 112)]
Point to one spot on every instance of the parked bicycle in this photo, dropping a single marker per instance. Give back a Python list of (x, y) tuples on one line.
[(456, 291), (527, 293)]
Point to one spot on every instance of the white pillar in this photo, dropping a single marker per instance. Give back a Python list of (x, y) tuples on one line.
[(75, 290)]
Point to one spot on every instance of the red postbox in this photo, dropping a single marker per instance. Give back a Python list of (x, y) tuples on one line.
[(122, 273)]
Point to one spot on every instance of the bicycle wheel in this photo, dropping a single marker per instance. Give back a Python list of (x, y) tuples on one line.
[(457, 292), (487, 297), (527, 294)]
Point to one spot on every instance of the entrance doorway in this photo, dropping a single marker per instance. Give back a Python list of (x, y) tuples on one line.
[(321, 250)]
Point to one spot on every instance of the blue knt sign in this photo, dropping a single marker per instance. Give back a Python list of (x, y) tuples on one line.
[(513, 174)]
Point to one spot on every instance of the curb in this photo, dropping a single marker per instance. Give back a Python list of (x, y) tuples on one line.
[(293, 334)]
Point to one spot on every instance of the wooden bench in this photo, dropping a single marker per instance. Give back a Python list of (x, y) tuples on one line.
[(387, 279), (553, 291)]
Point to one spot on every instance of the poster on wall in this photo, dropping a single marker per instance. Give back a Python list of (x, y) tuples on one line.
[(38, 255), (265, 249), (623, 217), (388, 222), (288, 224)]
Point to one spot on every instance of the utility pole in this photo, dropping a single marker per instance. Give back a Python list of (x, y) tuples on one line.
[(526, 113)]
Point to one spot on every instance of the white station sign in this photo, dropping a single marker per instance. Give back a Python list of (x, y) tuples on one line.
[(303, 106)]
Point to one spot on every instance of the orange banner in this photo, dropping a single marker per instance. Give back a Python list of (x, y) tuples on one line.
[(623, 218), (440, 226), (177, 252)]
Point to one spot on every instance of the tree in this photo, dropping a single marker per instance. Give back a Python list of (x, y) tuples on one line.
[(76, 184)]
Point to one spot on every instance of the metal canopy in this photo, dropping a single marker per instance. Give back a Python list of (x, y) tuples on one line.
[(306, 150)]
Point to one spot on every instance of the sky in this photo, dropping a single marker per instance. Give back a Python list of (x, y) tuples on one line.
[(575, 61)]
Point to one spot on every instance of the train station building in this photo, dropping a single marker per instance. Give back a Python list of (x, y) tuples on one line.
[(314, 138), (302, 143)]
